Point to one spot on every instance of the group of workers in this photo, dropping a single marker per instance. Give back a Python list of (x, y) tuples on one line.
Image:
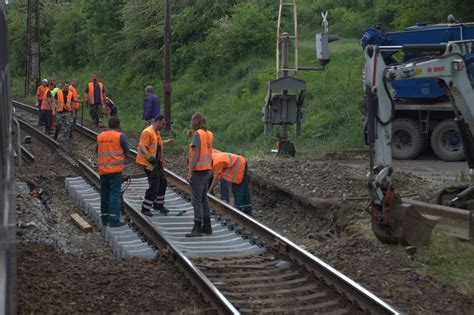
[(59, 105), (206, 167)]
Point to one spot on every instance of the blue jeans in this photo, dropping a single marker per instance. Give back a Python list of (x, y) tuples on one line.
[(110, 200), (224, 188)]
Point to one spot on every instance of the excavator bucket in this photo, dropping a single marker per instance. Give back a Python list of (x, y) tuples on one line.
[(406, 225)]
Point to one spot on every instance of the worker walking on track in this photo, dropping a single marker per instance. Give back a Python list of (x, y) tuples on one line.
[(73, 102), (39, 99), (199, 173), (151, 105), (112, 147), (95, 96), (63, 112), (47, 108), (233, 168), (150, 155)]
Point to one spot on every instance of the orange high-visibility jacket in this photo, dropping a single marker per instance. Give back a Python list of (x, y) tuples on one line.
[(73, 98), (111, 158), (233, 166), (90, 94), (204, 161), (151, 140), (46, 103), (60, 103), (39, 93)]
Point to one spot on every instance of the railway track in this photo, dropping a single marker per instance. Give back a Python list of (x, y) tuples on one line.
[(243, 267)]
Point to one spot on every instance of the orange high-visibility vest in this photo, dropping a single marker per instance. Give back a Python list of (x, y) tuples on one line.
[(204, 161), (150, 139), (234, 166), (72, 98), (111, 158), (46, 103), (90, 94), (39, 92), (60, 103)]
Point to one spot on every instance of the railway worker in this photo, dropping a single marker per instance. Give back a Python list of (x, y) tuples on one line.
[(150, 155), (112, 147), (95, 96), (73, 103), (199, 172), (233, 168), (46, 109), (223, 185), (63, 111), (39, 98), (109, 107), (151, 105)]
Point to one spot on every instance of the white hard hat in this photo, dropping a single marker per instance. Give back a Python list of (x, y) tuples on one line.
[(45, 80)]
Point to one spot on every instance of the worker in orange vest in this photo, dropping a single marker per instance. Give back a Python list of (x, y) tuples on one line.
[(233, 168), (73, 103), (63, 111), (39, 99), (112, 147), (150, 156), (95, 96), (199, 173), (47, 108)]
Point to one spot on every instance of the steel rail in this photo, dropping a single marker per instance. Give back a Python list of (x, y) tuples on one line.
[(216, 298), (27, 155), (366, 300)]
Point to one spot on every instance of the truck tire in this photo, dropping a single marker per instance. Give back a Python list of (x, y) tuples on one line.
[(407, 139), (446, 141)]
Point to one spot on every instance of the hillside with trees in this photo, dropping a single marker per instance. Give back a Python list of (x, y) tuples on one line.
[(222, 57)]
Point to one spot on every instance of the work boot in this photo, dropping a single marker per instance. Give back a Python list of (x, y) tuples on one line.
[(147, 212), (206, 226), (196, 231), (117, 224), (161, 208)]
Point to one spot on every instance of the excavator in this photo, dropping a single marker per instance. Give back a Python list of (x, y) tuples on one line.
[(395, 219)]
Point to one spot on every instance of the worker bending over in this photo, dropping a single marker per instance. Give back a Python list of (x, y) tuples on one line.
[(233, 168), (150, 155), (199, 173), (112, 147)]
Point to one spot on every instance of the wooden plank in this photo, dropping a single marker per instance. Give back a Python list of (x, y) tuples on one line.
[(81, 223)]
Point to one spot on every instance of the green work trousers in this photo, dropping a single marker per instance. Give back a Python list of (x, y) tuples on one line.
[(110, 200), (242, 194)]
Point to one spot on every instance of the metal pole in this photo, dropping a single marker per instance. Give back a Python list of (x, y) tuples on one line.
[(284, 57), (167, 86)]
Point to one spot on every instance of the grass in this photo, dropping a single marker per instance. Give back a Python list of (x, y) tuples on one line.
[(233, 101)]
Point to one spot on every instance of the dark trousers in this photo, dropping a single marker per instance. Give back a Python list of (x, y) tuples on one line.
[(95, 111), (199, 187), (155, 194), (242, 194), (110, 202), (46, 116)]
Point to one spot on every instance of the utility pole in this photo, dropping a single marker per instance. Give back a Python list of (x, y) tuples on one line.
[(167, 86), (32, 55)]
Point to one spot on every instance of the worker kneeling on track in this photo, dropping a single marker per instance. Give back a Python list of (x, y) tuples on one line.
[(150, 155), (112, 148), (233, 169)]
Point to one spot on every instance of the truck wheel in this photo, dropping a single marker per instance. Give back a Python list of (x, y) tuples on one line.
[(407, 139), (446, 141)]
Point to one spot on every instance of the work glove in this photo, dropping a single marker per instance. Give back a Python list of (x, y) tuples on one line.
[(150, 158)]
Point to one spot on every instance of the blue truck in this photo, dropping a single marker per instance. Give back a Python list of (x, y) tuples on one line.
[(423, 114)]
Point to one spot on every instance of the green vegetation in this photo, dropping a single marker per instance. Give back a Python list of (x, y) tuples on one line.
[(223, 56)]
